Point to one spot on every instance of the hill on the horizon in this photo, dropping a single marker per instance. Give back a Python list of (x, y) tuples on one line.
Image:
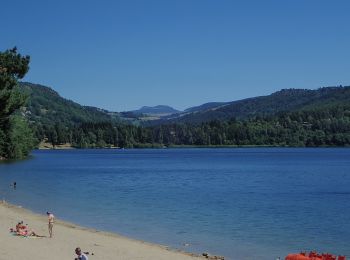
[(285, 100), (159, 110), (46, 107)]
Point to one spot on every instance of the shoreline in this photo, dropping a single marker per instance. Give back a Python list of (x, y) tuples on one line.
[(68, 146), (68, 236), (187, 147)]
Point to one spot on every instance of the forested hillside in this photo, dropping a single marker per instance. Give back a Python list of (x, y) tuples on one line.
[(286, 118), (46, 106), (286, 100), (50, 114), (205, 107)]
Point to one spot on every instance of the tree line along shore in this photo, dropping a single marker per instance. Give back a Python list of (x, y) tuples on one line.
[(329, 127)]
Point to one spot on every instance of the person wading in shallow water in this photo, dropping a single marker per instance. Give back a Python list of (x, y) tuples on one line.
[(51, 219)]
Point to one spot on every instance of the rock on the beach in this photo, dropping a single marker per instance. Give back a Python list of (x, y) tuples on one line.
[(206, 255)]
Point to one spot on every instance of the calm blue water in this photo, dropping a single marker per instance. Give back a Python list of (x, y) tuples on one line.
[(241, 203)]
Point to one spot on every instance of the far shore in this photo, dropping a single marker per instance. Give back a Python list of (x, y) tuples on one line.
[(68, 236), (49, 146)]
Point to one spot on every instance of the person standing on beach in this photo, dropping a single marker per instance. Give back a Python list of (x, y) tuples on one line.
[(51, 219)]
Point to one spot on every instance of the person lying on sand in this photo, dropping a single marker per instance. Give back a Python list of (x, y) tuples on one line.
[(28, 233)]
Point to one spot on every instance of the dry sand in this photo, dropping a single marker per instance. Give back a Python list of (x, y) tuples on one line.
[(67, 237)]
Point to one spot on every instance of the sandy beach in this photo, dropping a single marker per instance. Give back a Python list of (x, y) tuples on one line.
[(67, 237)]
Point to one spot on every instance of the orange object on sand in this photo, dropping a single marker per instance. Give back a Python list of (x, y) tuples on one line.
[(313, 256), (297, 257)]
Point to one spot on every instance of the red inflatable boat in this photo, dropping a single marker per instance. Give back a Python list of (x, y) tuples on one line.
[(314, 256)]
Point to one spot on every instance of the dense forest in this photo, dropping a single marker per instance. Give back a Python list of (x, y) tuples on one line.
[(16, 138), (326, 127)]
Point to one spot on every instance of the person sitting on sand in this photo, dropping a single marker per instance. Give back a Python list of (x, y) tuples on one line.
[(20, 226), (81, 255), (22, 230)]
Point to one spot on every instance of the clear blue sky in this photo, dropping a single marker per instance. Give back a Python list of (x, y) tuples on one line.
[(120, 55)]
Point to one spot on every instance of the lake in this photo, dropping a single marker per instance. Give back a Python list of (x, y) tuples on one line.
[(244, 203)]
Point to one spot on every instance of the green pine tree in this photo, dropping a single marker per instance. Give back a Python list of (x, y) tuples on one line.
[(16, 139)]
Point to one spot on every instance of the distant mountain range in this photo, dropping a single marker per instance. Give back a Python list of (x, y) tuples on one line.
[(46, 106), (160, 110)]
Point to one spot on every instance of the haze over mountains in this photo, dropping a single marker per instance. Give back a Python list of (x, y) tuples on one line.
[(46, 105)]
